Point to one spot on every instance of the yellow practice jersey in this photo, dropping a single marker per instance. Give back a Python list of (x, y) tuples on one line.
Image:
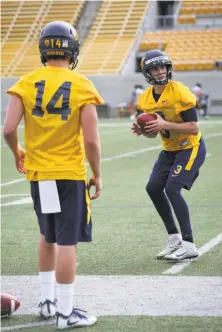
[(52, 98), (175, 98)]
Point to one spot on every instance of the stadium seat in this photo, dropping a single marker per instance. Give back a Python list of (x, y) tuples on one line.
[(117, 24), (190, 49), (24, 32)]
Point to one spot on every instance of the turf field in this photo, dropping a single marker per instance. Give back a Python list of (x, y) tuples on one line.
[(119, 278)]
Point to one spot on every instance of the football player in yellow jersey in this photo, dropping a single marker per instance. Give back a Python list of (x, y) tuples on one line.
[(183, 153), (59, 109)]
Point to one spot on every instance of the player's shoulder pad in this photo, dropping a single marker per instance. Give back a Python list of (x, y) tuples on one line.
[(31, 76), (186, 95), (177, 85), (81, 79)]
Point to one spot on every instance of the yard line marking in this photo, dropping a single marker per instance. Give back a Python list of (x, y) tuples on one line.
[(133, 153), (133, 295), (115, 131), (128, 123), (101, 133), (25, 326), (12, 195), (205, 248), (124, 155), (26, 200), (212, 135), (11, 182), (123, 124)]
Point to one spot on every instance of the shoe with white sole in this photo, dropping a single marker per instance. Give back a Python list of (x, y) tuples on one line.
[(75, 319), (47, 309), (173, 243), (187, 250)]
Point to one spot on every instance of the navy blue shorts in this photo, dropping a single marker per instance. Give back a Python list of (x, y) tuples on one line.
[(178, 166), (73, 224)]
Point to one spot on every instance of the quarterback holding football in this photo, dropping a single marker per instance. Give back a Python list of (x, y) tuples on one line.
[(183, 153)]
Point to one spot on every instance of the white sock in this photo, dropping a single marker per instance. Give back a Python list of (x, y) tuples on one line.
[(65, 298), (47, 285)]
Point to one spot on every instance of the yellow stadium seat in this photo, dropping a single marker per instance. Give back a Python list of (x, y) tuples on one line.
[(191, 49), (186, 19)]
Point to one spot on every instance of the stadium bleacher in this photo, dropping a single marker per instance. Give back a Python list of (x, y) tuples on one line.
[(189, 10), (188, 49), (111, 36), (20, 45)]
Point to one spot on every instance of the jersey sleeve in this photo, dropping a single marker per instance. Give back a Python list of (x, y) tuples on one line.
[(19, 88), (89, 95), (187, 99), (189, 115)]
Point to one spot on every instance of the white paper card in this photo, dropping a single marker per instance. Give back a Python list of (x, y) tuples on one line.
[(49, 197)]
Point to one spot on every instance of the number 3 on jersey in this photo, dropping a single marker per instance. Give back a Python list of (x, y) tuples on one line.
[(63, 90)]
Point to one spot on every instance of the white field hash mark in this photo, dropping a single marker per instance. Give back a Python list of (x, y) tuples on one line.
[(124, 155), (178, 267), (25, 326), (28, 200)]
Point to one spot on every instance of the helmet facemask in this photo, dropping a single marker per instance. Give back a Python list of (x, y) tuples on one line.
[(152, 59), (150, 79), (75, 57)]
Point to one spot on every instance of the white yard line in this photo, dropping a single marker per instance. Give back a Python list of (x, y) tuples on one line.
[(178, 267), (111, 123), (123, 155), (123, 124), (111, 132), (12, 195), (133, 153), (105, 295), (27, 200), (11, 182), (26, 326), (212, 135), (104, 159)]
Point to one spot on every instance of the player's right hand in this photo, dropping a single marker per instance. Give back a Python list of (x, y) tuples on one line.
[(136, 129), (20, 159), (97, 182)]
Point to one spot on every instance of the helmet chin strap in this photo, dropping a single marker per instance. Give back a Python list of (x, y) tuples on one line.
[(160, 82)]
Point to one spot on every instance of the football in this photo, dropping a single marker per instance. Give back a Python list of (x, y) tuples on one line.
[(9, 304), (144, 118)]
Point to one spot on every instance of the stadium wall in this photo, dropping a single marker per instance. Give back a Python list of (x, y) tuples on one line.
[(116, 89)]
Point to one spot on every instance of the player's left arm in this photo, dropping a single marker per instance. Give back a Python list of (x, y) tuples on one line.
[(13, 117), (190, 125)]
